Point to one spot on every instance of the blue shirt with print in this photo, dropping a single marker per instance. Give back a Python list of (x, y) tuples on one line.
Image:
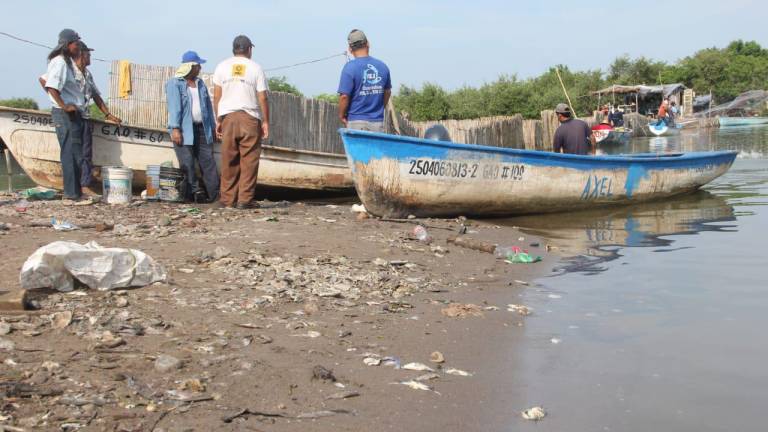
[(364, 80)]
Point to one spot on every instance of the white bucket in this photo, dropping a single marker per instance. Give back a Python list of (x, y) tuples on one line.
[(117, 184)]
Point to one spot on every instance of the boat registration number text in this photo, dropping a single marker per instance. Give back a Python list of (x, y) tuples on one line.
[(465, 170), (32, 119)]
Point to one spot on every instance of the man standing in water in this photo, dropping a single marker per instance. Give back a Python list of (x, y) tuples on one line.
[(364, 88), (191, 125), (573, 136), (242, 122)]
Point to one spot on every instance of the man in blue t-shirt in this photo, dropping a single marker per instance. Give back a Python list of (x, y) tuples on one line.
[(364, 87)]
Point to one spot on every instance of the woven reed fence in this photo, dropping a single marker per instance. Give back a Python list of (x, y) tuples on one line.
[(310, 124), (295, 122)]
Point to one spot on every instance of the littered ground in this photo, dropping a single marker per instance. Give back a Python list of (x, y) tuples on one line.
[(245, 347)]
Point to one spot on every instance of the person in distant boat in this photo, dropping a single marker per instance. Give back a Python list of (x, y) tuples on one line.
[(673, 112), (573, 136), (67, 113), (662, 113), (616, 118), (192, 126), (240, 101), (90, 92), (364, 87)]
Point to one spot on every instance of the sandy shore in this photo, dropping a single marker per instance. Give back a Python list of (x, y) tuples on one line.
[(259, 307)]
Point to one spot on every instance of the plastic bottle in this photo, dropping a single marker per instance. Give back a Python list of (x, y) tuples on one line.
[(421, 234), (504, 252), (22, 206)]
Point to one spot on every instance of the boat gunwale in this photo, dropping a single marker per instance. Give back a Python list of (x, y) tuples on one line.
[(643, 158), (102, 122)]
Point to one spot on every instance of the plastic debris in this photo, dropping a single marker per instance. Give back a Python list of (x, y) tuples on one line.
[(358, 208), (39, 193), (437, 357), (534, 414), (515, 255), (458, 310), (520, 309), (421, 367), (416, 385), (555, 341), (62, 225), (371, 361), (58, 264), (420, 233), (21, 206), (458, 372)]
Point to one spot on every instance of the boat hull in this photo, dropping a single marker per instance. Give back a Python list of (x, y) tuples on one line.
[(663, 130), (612, 137), (31, 138), (742, 121), (399, 176)]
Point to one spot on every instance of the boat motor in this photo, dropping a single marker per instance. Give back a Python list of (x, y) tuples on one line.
[(437, 132)]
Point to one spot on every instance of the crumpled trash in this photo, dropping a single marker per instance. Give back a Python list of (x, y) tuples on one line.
[(39, 193), (63, 225), (518, 256), (58, 264)]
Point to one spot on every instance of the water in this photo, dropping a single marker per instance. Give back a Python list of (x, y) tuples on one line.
[(18, 180), (659, 310)]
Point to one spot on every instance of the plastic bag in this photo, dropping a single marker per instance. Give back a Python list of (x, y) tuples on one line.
[(39, 193), (58, 264)]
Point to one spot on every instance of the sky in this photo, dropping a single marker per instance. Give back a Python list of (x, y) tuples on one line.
[(450, 43)]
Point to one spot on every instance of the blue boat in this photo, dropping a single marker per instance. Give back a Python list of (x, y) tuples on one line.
[(742, 121), (397, 176)]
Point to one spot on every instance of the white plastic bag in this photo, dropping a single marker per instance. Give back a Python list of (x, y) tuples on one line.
[(56, 265)]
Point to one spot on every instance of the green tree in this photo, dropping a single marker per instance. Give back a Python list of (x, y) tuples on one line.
[(328, 97), (642, 70), (429, 103), (24, 103), (281, 84)]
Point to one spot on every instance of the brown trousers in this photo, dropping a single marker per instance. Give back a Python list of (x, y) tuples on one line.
[(240, 152)]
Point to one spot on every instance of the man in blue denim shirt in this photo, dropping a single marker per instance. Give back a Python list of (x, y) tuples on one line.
[(191, 124)]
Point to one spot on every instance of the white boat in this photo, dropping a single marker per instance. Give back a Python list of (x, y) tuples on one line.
[(662, 129), (742, 121), (398, 176), (31, 137)]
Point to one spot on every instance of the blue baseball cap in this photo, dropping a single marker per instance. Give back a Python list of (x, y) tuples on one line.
[(191, 57)]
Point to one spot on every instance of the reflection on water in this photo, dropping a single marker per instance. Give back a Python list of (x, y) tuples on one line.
[(660, 307), (18, 180), (751, 142), (588, 239)]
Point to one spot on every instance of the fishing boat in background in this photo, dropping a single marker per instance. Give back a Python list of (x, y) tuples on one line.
[(742, 121), (662, 129), (31, 137), (617, 136), (397, 176)]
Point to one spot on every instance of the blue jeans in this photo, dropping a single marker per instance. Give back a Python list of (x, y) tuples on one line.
[(86, 170), (202, 153), (69, 131)]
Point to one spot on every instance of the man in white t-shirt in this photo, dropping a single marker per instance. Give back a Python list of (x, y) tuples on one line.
[(242, 121)]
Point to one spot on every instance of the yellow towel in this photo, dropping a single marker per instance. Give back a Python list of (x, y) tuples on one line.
[(124, 79)]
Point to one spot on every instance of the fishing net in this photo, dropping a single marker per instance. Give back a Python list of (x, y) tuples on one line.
[(751, 103)]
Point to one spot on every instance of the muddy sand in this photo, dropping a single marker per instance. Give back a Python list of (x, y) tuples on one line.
[(268, 321)]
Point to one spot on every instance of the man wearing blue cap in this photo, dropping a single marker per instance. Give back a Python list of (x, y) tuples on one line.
[(191, 124)]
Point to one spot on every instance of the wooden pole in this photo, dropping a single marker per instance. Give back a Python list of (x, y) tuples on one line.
[(557, 71), (393, 114)]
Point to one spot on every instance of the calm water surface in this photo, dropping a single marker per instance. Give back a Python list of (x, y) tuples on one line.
[(657, 318)]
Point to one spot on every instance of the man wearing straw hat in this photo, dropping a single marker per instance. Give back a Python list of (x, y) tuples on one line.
[(191, 125)]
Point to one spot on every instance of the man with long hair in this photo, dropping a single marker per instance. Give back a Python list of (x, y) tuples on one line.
[(68, 104)]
